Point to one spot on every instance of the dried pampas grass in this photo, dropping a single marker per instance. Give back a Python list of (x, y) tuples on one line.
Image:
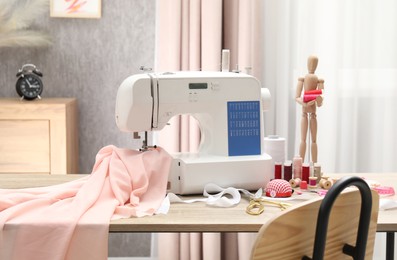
[(24, 38), (15, 19)]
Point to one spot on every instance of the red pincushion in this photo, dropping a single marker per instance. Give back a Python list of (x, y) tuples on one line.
[(278, 189)]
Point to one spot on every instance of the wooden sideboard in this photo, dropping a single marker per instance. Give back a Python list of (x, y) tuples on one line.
[(39, 136)]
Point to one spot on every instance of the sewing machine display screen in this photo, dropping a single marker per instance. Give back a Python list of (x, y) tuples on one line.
[(244, 131), (198, 85)]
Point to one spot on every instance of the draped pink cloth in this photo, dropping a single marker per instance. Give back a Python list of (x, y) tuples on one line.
[(71, 220)]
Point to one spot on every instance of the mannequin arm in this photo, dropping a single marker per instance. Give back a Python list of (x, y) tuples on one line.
[(298, 93), (319, 99)]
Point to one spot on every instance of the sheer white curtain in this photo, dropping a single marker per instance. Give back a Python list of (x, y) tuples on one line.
[(356, 42)]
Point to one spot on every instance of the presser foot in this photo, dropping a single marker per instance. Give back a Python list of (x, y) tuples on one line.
[(144, 147), (147, 148)]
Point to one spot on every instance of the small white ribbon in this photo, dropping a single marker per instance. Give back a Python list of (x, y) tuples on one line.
[(223, 197)]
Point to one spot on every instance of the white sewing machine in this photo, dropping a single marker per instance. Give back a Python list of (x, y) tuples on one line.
[(229, 108)]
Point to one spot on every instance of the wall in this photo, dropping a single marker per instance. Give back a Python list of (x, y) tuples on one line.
[(88, 60)]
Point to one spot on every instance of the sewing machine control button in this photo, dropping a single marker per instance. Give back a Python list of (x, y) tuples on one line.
[(215, 85), (193, 97)]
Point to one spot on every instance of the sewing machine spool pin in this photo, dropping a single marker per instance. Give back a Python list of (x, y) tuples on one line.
[(145, 69)]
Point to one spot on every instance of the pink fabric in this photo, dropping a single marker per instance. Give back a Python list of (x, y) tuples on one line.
[(71, 220)]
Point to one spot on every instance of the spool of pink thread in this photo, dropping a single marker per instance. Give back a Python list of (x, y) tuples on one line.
[(303, 185), (312, 182), (311, 95), (297, 165)]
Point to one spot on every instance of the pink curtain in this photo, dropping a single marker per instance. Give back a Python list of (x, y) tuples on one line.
[(190, 35)]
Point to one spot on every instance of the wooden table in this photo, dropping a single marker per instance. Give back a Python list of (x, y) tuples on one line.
[(198, 217)]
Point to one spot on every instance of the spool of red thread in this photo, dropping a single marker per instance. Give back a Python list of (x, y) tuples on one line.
[(305, 172), (277, 170), (288, 170)]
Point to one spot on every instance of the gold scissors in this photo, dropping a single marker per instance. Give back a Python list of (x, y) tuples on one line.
[(256, 205)]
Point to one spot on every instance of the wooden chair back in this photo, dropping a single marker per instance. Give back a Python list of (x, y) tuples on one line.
[(291, 234)]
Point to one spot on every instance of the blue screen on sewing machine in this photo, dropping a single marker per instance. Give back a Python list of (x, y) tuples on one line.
[(244, 130)]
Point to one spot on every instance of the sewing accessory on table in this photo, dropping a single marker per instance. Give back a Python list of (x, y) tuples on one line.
[(224, 198), (288, 170), (278, 189), (297, 165), (278, 170), (295, 182), (326, 183), (255, 207), (311, 95), (305, 172), (257, 203), (275, 147), (317, 171), (312, 182), (384, 190), (303, 185)]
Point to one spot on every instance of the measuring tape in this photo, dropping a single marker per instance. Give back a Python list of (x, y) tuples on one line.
[(384, 190)]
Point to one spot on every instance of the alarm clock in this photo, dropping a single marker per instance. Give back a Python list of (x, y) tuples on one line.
[(29, 85)]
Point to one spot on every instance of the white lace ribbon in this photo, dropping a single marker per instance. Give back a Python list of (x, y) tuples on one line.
[(221, 197)]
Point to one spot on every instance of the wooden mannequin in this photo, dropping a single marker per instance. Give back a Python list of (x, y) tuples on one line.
[(309, 83)]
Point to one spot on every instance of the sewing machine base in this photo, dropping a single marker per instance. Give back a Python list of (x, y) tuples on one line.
[(191, 172)]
